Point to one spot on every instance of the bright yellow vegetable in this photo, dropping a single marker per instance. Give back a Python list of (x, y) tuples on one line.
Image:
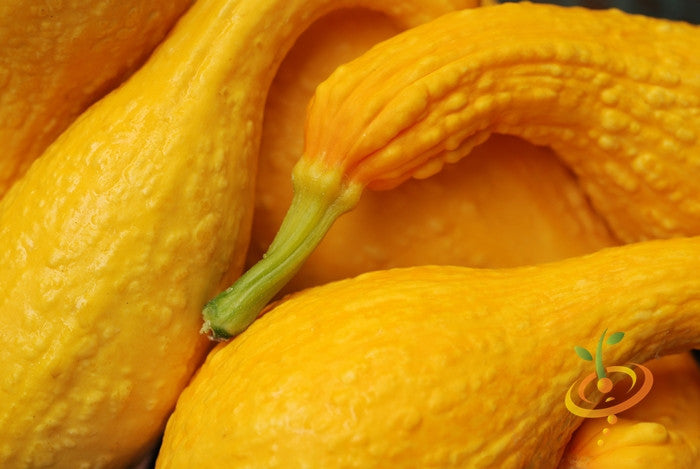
[(57, 58), (509, 203), (606, 90), (431, 366), (118, 234)]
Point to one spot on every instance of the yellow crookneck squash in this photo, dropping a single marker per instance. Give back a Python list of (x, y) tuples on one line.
[(57, 58), (432, 366), (125, 226), (606, 91), (508, 203)]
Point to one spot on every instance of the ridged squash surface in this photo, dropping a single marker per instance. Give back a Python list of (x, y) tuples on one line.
[(508, 203), (57, 58), (127, 224), (432, 366)]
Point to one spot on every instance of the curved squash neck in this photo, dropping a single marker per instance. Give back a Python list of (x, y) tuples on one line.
[(619, 116), (254, 37), (550, 75)]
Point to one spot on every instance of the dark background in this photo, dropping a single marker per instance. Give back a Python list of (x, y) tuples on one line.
[(686, 10)]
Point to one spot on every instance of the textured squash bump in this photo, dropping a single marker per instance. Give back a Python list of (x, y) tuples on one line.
[(119, 233), (508, 203), (57, 58), (432, 366), (615, 95)]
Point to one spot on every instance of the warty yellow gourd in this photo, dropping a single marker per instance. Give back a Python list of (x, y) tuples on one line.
[(604, 89), (508, 203), (125, 226), (432, 366), (57, 58)]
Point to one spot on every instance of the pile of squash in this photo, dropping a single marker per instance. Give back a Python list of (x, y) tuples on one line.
[(173, 171)]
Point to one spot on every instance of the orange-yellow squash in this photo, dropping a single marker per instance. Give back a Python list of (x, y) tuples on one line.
[(604, 89), (118, 234), (509, 203), (433, 366), (57, 58), (322, 333)]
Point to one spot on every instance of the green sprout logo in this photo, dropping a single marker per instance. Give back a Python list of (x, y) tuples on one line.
[(605, 377), (604, 383)]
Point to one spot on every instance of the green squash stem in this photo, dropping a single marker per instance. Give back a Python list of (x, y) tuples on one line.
[(320, 197)]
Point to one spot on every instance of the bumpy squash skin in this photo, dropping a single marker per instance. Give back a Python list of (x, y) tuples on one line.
[(124, 227), (515, 205), (617, 96), (301, 408), (57, 58), (431, 366), (663, 431), (509, 203)]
